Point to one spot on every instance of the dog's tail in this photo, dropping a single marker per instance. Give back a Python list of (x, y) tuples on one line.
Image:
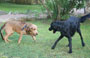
[(1, 31), (83, 18)]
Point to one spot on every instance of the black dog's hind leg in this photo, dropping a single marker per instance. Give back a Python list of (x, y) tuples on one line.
[(57, 42), (83, 44), (70, 44)]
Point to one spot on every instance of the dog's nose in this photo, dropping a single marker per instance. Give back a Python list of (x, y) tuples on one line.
[(36, 33), (50, 29)]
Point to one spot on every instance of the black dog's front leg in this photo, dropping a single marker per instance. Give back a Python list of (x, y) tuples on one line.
[(57, 42), (70, 44)]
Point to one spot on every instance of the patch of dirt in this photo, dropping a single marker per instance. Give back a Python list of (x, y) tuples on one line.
[(4, 18)]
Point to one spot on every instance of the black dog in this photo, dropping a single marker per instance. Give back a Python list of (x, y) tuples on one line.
[(68, 29)]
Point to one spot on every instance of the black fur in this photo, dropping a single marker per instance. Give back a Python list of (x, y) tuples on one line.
[(68, 29)]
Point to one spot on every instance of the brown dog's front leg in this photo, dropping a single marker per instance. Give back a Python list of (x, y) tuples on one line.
[(19, 40), (34, 38)]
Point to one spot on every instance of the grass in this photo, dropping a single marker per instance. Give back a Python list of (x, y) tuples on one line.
[(42, 47), (20, 8)]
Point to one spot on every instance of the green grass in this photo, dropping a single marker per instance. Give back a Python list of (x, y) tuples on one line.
[(20, 8), (42, 47)]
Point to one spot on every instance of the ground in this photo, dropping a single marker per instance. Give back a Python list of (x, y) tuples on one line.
[(42, 47)]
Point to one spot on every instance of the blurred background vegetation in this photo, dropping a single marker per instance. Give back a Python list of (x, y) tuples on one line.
[(22, 1), (56, 9)]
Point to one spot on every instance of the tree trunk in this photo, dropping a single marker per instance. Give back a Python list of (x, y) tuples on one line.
[(58, 16), (13, 1), (49, 12), (36, 1)]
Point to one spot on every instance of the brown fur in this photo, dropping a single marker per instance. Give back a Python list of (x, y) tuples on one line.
[(16, 26)]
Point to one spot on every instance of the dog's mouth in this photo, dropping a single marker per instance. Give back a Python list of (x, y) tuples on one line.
[(54, 31), (50, 29), (35, 34)]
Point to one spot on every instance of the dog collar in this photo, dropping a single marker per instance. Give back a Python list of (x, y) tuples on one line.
[(24, 27)]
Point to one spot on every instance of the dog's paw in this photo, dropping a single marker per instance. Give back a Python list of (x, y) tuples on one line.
[(6, 41), (52, 47), (19, 42), (83, 44), (70, 52), (9, 40)]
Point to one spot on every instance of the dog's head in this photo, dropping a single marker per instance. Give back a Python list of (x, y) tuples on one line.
[(53, 27), (32, 29)]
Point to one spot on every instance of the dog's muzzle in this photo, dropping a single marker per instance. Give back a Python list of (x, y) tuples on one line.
[(36, 34), (54, 31), (50, 29)]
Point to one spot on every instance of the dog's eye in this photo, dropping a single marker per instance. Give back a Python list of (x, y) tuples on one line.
[(54, 27), (34, 29)]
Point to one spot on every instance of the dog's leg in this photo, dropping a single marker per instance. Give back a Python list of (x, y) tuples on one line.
[(57, 42), (9, 31), (83, 44), (34, 38), (70, 44), (19, 40), (6, 37)]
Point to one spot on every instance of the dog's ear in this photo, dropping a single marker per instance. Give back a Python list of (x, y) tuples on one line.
[(28, 30)]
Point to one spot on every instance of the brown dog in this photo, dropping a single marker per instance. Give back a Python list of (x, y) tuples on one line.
[(21, 28)]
